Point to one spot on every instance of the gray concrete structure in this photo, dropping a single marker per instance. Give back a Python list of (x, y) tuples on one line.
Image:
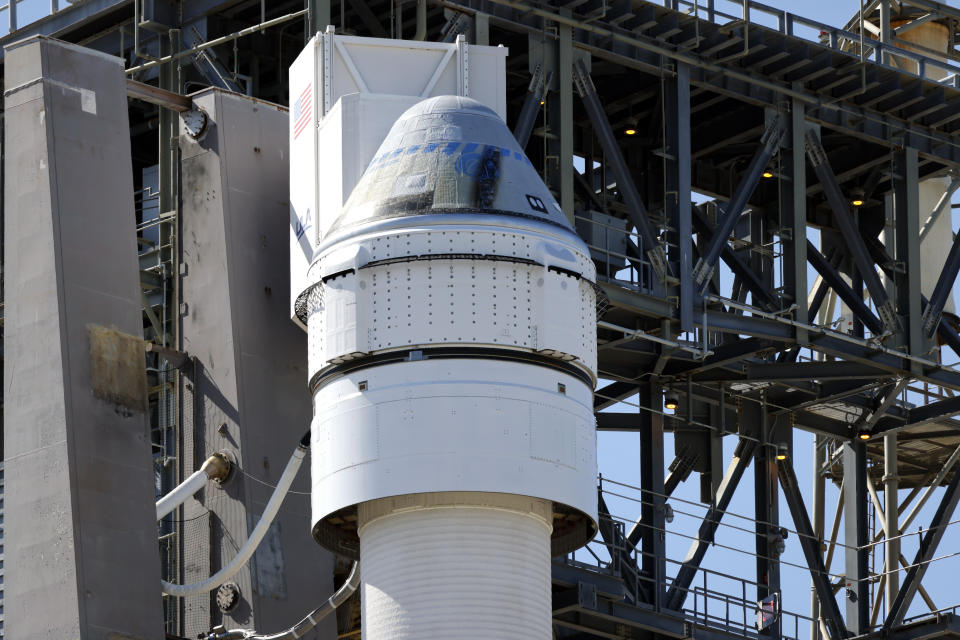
[(80, 534), (246, 392)]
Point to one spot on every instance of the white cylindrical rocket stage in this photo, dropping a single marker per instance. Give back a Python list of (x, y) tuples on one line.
[(452, 356)]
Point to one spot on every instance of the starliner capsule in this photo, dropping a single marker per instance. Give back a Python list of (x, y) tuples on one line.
[(452, 356)]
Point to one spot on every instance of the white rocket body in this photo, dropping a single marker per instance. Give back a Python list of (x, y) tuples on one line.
[(452, 356)]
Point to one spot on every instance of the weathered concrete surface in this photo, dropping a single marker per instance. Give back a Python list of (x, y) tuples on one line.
[(248, 394), (80, 531)]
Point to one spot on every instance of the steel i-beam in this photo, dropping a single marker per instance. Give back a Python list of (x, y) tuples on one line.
[(769, 143), (536, 93), (708, 528), (931, 315), (618, 166), (829, 611), (833, 278), (845, 222)]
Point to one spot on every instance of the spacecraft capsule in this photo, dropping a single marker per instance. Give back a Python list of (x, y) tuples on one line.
[(452, 354)]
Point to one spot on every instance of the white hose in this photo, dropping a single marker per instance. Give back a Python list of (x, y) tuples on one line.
[(216, 467), (214, 581), (169, 502), (311, 620)]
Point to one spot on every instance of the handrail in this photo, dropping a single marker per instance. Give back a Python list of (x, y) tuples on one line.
[(836, 37)]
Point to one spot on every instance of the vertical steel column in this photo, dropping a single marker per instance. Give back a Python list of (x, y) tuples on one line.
[(855, 537), (885, 32), (767, 512), (319, 16), (481, 29), (677, 197), (906, 212), (793, 217), (565, 89), (892, 545), (651, 482), (168, 174), (819, 490)]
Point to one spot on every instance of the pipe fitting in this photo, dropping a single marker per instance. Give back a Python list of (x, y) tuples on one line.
[(218, 467)]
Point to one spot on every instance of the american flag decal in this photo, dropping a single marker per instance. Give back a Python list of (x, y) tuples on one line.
[(302, 111)]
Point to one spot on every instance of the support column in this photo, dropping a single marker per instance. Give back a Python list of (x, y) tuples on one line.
[(677, 196), (891, 506), (651, 483), (794, 217), (565, 89), (80, 530), (767, 512), (319, 16), (857, 592), (817, 508), (906, 209)]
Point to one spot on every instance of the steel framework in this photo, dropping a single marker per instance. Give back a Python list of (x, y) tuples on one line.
[(752, 132)]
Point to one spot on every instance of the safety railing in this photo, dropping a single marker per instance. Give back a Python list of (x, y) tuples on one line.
[(15, 14), (885, 54), (715, 600), (617, 251)]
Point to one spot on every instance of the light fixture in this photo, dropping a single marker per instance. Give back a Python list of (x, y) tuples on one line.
[(857, 198), (767, 173), (670, 400), (782, 452), (630, 131), (864, 435)]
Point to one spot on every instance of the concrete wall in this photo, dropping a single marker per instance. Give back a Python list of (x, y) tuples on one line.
[(248, 393), (80, 532)]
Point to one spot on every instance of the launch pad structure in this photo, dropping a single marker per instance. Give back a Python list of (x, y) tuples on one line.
[(764, 197)]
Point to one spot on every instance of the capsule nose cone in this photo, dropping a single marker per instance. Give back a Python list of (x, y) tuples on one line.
[(449, 154)]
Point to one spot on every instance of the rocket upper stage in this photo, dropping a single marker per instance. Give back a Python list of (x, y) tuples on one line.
[(448, 154)]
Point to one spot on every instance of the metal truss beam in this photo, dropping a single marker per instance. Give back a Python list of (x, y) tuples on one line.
[(832, 277), (769, 144), (708, 528), (845, 222), (748, 277), (618, 166), (810, 545), (617, 44), (612, 394), (536, 92), (728, 353), (798, 371), (928, 545), (943, 289)]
